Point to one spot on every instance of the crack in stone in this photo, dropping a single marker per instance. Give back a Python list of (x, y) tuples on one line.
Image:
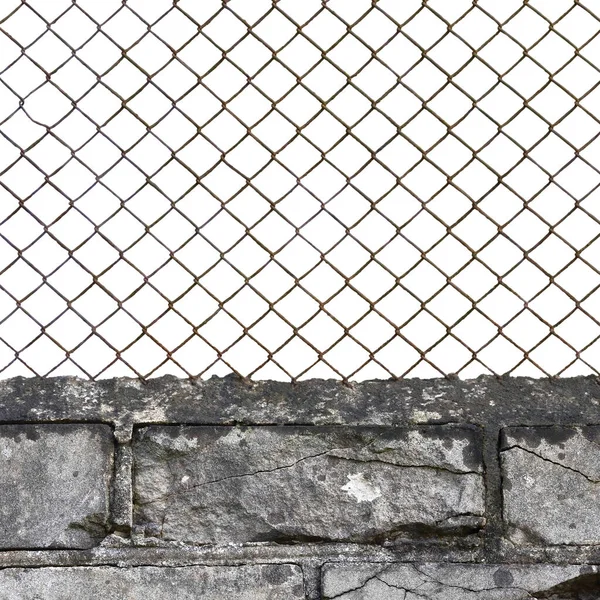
[(454, 516), (401, 589), (467, 589), (586, 582), (239, 476), (291, 465), (590, 479), (429, 578), (361, 586), (376, 577), (334, 453), (400, 466)]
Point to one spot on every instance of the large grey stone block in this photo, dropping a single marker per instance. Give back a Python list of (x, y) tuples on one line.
[(371, 581), (54, 485), (261, 582), (362, 484), (551, 485)]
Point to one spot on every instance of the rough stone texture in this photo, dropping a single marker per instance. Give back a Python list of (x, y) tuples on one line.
[(261, 582), (230, 400), (460, 582), (551, 484), (489, 403), (231, 484), (54, 485)]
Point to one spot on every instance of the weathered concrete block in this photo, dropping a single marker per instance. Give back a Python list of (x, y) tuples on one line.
[(372, 581), (551, 485), (261, 582), (54, 485), (361, 484)]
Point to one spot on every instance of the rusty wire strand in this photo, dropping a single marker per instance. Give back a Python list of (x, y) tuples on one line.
[(174, 256)]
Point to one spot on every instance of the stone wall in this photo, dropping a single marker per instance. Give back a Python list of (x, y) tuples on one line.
[(419, 489)]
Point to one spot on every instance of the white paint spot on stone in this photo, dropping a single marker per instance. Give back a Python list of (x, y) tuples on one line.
[(425, 416), (181, 443), (360, 489), (185, 479)]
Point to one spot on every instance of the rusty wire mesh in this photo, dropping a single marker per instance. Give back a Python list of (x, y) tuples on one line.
[(289, 189)]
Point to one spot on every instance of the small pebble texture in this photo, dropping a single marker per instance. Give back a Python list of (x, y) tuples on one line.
[(459, 582), (357, 484), (551, 485), (54, 485), (261, 582)]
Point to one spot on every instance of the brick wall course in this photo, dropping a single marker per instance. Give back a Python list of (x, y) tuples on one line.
[(199, 487), (260, 582)]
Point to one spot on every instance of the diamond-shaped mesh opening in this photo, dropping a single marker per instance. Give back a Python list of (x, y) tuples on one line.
[(299, 189)]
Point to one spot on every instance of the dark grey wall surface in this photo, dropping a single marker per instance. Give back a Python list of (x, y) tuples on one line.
[(488, 488)]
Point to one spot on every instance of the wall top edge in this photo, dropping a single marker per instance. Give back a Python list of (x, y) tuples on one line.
[(233, 400)]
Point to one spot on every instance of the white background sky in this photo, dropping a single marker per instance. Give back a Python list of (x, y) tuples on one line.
[(270, 183)]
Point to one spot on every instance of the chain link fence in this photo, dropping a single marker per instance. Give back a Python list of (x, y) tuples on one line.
[(285, 189)]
